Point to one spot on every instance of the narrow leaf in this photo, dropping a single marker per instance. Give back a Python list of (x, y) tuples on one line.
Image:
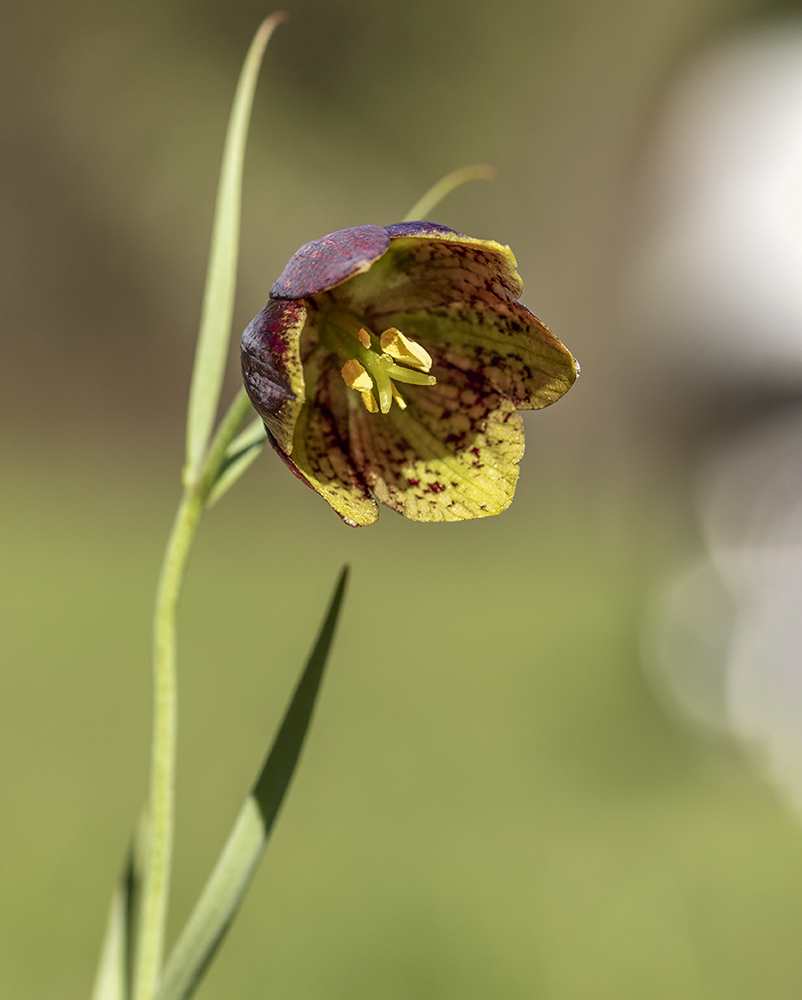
[(113, 981), (224, 891), (240, 454), (218, 301), (436, 193)]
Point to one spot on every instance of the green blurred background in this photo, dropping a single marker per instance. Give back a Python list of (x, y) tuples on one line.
[(493, 801)]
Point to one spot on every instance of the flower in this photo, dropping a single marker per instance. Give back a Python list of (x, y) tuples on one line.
[(390, 363)]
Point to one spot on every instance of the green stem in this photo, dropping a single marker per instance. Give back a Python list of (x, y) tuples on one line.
[(150, 950), (156, 884)]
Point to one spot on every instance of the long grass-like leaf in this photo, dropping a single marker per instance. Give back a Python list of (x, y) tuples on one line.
[(240, 454), (223, 893), (113, 981), (218, 301)]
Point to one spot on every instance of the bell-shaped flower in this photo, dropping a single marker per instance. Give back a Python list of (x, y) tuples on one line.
[(390, 364)]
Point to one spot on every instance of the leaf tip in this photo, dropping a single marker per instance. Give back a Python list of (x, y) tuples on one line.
[(342, 580), (271, 22)]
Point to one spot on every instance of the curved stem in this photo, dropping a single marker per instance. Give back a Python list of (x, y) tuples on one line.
[(150, 948), (436, 193), (156, 883)]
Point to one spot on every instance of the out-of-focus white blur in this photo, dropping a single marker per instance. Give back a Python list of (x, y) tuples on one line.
[(716, 280), (728, 638), (717, 286)]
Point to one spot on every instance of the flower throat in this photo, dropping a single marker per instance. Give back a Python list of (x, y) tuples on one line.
[(371, 363)]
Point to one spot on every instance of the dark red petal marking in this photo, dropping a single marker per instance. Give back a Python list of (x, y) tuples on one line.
[(432, 272), (269, 355), (321, 454), (330, 260), (452, 454)]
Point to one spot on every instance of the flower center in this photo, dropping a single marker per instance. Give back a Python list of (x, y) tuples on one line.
[(373, 364)]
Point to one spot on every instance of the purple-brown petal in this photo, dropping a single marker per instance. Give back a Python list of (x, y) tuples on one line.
[(271, 367), (420, 229), (329, 261)]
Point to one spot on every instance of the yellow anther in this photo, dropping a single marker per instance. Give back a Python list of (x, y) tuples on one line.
[(355, 376), (398, 397), (370, 401), (373, 375), (401, 348)]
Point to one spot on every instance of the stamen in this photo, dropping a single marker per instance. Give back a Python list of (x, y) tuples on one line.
[(370, 401), (355, 376), (369, 372), (401, 348)]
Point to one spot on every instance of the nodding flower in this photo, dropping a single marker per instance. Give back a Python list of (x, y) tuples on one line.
[(389, 365)]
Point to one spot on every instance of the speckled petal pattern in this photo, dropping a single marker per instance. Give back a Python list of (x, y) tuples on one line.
[(446, 451), (504, 345), (321, 454), (426, 273), (452, 455)]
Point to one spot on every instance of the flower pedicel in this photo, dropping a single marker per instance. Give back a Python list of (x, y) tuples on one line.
[(390, 363)]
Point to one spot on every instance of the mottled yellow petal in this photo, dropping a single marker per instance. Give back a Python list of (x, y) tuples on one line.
[(431, 273), (505, 348), (320, 455), (451, 459), (414, 303)]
